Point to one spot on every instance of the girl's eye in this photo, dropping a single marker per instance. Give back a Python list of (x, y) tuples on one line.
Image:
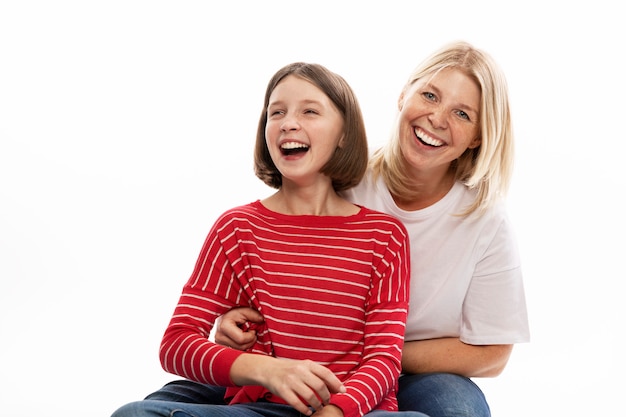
[(310, 111)]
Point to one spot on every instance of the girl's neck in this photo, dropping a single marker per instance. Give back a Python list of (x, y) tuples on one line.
[(312, 202)]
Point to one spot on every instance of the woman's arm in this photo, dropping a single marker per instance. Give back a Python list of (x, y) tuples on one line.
[(422, 356), (453, 356)]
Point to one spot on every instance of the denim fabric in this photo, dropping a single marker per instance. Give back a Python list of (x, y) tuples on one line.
[(160, 408), (434, 395), (442, 395), (185, 391)]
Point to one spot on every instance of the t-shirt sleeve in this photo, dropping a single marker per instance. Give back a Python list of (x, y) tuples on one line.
[(494, 311)]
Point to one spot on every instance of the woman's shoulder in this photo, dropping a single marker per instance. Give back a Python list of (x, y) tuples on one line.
[(386, 220)]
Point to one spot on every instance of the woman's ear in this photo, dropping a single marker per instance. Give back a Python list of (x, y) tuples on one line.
[(401, 101), (475, 143)]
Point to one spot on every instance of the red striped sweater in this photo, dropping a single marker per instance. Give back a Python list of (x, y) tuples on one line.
[(331, 289)]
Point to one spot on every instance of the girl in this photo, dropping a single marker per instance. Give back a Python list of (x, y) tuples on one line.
[(329, 277)]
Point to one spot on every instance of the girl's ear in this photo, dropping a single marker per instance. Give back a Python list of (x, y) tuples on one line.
[(341, 141)]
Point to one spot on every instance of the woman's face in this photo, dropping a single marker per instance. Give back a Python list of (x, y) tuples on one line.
[(303, 130), (439, 119)]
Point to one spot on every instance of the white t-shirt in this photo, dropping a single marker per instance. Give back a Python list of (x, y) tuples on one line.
[(466, 278)]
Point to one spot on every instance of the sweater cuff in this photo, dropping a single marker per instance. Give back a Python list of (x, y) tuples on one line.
[(349, 407), (222, 373)]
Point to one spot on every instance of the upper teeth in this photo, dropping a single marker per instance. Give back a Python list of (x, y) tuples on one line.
[(293, 145), (427, 139)]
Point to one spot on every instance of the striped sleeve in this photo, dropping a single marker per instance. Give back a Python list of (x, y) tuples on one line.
[(185, 348)]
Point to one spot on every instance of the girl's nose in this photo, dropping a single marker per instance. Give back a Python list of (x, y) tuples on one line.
[(289, 123)]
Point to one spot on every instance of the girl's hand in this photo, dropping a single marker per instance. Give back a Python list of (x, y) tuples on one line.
[(301, 383), (329, 411)]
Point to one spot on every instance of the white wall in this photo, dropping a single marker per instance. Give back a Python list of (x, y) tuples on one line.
[(126, 127)]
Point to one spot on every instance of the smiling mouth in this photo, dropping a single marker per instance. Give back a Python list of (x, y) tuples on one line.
[(293, 148), (427, 140)]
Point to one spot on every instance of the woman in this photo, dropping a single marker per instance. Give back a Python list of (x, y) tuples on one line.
[(444, 174)]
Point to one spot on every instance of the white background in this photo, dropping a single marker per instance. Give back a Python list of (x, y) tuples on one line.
[(126, 127)]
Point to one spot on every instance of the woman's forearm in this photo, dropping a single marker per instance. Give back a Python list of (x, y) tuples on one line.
[(453, 356)]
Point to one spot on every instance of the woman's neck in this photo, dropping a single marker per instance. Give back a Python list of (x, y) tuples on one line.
[(427, 190)]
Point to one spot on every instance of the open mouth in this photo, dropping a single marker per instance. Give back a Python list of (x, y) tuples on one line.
[(293, 148), (427, 140)]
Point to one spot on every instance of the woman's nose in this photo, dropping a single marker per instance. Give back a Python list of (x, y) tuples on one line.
[(439, 119)]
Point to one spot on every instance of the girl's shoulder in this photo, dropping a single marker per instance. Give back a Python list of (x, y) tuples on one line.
[(244, 212)]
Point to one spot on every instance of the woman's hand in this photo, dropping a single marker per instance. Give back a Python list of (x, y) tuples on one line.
[(229, 329)]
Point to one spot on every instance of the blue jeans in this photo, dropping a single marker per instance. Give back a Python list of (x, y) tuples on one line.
[(442, 395), (162, 408), (427, 395)]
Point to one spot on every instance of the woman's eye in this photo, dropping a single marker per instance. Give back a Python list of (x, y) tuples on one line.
[(429, 96), (463, 115)]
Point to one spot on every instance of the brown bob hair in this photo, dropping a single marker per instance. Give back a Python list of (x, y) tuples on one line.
[(349, 162)]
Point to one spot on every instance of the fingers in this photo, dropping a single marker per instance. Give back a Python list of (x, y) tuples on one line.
[(231, 335), (249, 314), (300, 403), (229, 328), (308, 383), (303, 384), (331, 382), (287, 378), (302, 394)]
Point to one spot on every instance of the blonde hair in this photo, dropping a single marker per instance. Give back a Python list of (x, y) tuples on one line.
[(486, 168)]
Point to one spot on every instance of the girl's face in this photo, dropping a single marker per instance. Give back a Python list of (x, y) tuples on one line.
[(303, 130), (439, 119)]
